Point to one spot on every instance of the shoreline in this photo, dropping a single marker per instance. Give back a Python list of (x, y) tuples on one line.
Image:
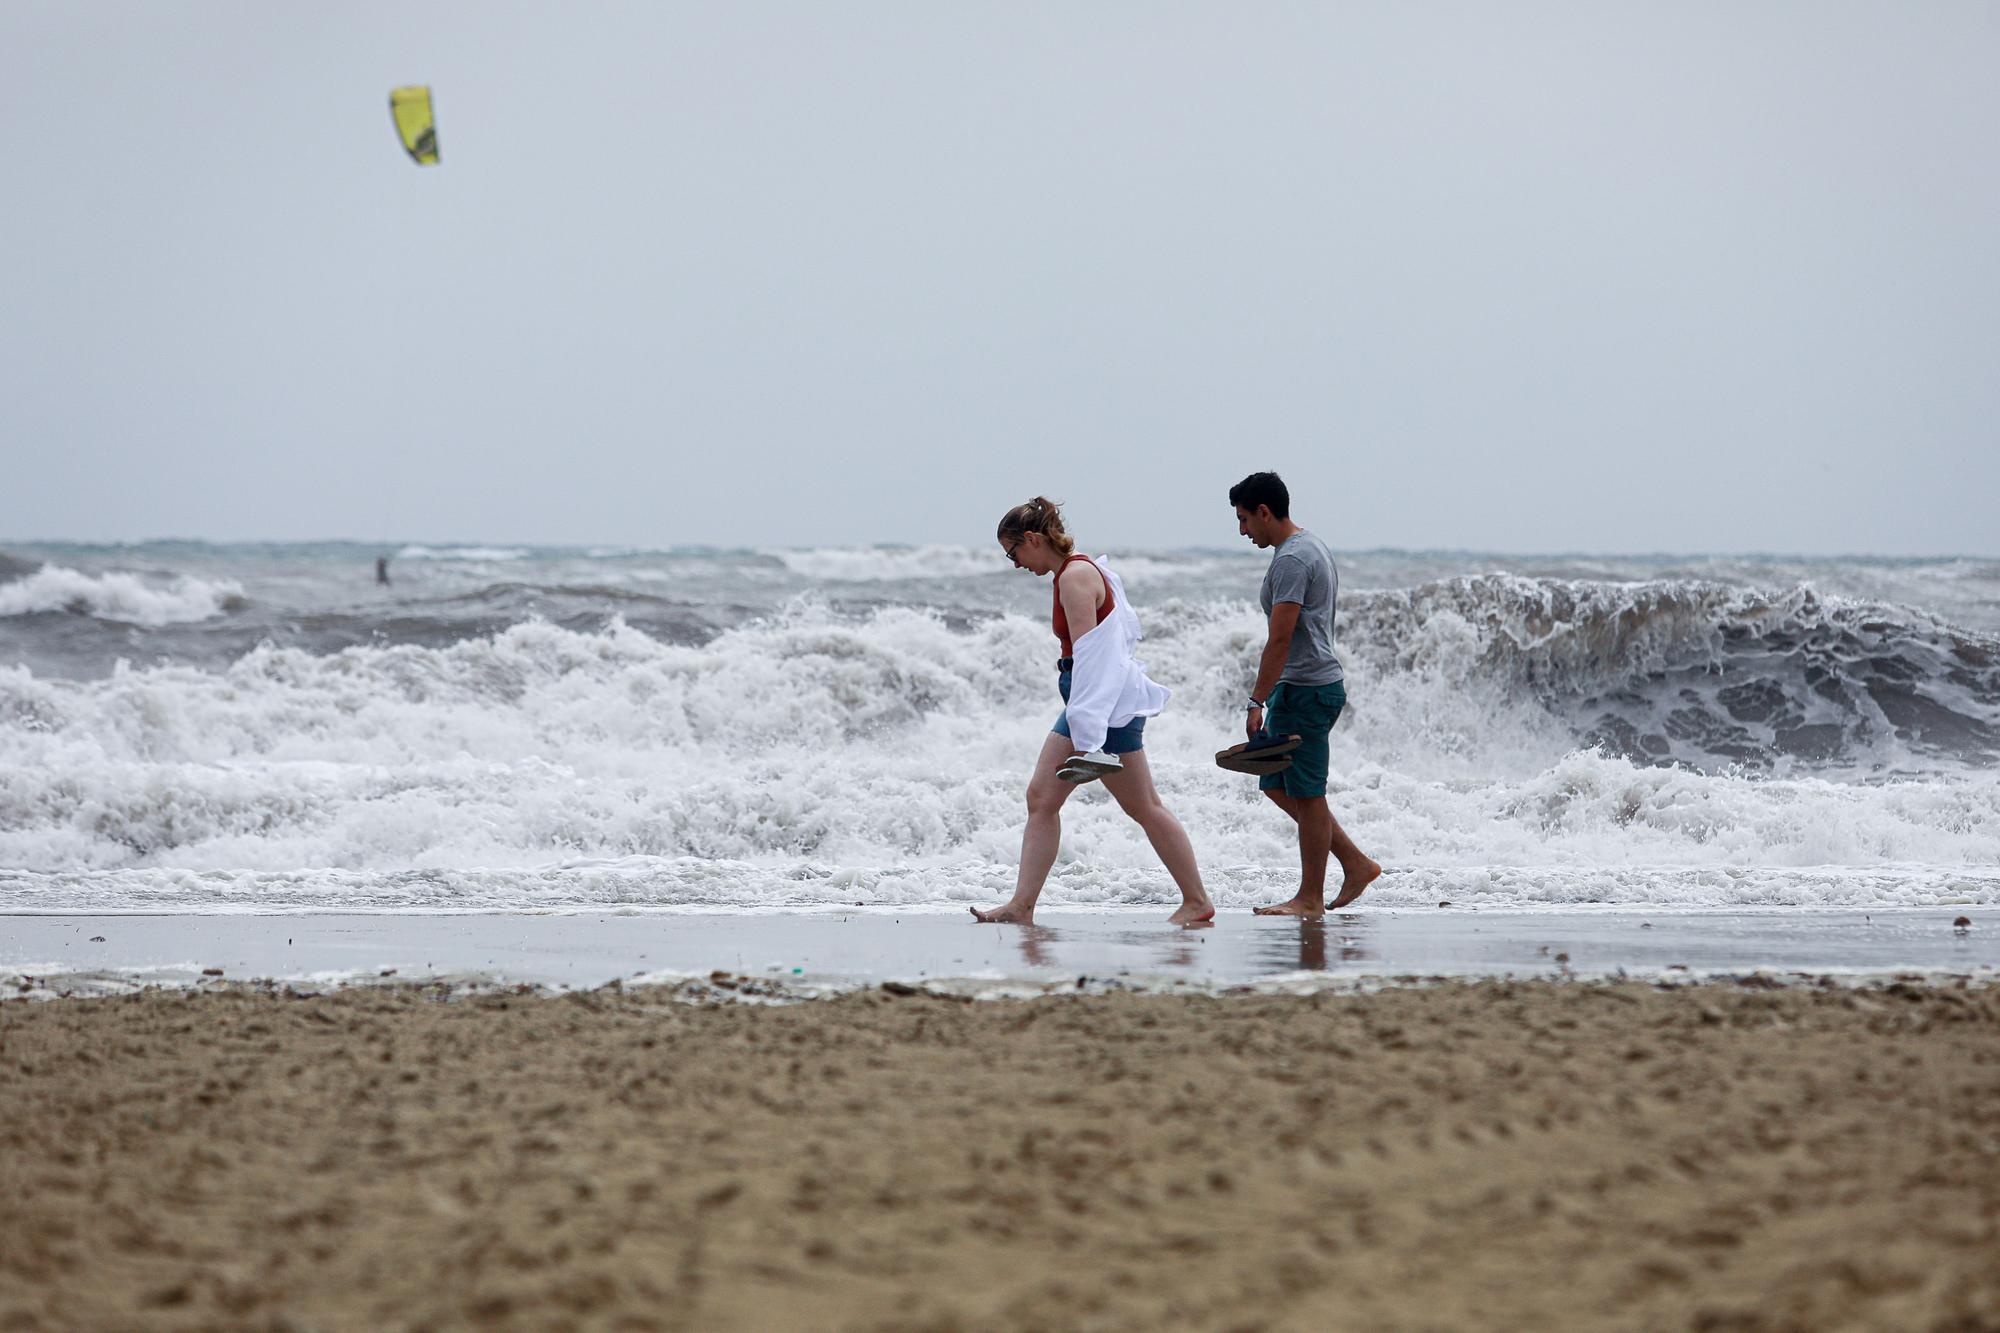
[(837, 951)]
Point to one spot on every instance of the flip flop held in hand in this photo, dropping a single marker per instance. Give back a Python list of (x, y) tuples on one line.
[(1263, 754), (1082, 768)]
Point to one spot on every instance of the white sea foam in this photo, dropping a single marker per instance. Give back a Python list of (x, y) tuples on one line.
[(815, 759), (129, 598), (480, 553), (642, 884), (886, 564)]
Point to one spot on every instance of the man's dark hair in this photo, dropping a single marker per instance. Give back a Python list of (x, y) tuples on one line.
[(1262, 488)]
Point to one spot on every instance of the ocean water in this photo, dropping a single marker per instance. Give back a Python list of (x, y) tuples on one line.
[(242, 728)]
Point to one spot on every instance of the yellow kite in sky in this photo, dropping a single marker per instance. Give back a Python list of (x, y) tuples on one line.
[(412, 109)]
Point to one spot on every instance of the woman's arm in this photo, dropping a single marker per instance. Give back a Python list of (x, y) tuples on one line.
[(1082, 592)]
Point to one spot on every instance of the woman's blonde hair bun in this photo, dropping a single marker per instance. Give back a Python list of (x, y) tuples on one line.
[(1042, 515)]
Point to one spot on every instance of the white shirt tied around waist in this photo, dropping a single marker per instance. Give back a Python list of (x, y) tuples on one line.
[(1108, 686)]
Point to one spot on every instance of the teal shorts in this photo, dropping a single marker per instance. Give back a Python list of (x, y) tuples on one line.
[(1309, 712)]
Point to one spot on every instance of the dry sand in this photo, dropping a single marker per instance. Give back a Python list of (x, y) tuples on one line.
[(1493, 1155)]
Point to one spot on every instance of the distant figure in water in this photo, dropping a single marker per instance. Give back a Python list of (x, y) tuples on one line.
[(1099, 734), (1302, 682), (382, 570)]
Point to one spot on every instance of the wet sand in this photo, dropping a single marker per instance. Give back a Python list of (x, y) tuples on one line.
[(1489, 1154), (106, 954)]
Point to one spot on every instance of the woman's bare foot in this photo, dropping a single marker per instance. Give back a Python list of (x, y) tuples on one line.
[(1356, 881), (1299, 906), (1193, 913), (1006, 914)]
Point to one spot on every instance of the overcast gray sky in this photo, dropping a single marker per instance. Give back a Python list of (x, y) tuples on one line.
[(1593, 276)]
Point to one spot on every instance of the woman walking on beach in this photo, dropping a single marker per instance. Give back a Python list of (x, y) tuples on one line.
[(1100, 733)]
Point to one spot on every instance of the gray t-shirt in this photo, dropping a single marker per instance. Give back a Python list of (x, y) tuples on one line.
[(1302, 571)]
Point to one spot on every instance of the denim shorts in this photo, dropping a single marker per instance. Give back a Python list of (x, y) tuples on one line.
[(1119, 740)]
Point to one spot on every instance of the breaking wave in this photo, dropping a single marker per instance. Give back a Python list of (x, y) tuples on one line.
[(128, 598), (1703, 674), (1518, 740)]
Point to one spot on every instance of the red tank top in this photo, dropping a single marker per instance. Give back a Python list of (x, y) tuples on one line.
[(1062, 621)]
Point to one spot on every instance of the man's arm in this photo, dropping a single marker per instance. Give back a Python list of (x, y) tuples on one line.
[(1284, 620)]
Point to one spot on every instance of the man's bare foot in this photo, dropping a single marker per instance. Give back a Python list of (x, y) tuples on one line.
[(1007, 914), (1193, 914), (1300, 906), (1356, 882)]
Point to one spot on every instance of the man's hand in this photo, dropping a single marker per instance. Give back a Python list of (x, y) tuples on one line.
[(1255, 722)]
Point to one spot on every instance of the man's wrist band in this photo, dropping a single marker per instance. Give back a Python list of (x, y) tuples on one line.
[(1255, 703)]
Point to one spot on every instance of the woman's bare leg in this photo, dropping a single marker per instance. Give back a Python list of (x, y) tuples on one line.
[(1133, 789), (1041, 838)]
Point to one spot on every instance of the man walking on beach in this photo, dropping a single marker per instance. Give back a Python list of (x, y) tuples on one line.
[(1301, 682)]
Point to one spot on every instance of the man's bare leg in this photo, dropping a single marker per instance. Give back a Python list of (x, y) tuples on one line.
[(1284, 801), (1042, 836), (1316, 825), (1134, 791), (1357, 871)]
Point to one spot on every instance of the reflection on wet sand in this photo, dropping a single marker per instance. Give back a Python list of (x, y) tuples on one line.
[(1349, 936), (1172, 948), (1297, 945), (1036, 942)]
